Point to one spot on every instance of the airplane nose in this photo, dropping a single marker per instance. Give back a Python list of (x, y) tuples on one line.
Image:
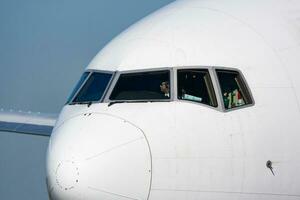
[(98, 156)]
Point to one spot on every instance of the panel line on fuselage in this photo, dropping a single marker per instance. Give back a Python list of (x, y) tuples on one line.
[(227, 192)]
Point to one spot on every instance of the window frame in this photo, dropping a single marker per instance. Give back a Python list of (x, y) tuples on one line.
[(91, 71), (173, 71), (71, 98), (119, 73), (200, 68), (213, 81), (220, 94)]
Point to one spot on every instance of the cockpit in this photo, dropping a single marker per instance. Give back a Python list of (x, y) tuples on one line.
[(223, 89), (150, 86)]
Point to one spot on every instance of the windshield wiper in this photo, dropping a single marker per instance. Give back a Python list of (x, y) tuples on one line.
[(89, 103)]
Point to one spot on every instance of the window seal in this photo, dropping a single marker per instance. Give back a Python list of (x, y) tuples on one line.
[(76, 93), (213, 81), (119, 73), (246, 87), (91, 71), (211, 86), (212, 70)]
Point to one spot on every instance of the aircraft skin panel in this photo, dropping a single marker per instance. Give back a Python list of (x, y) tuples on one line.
[(290, 58), (107, 160), (221, 154), (215, 195), (188, 33)]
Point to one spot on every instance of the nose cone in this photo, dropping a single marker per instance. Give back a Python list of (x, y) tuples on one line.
[(98, 156)]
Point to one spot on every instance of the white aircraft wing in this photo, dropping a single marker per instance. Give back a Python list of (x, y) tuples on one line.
[(27, 122)]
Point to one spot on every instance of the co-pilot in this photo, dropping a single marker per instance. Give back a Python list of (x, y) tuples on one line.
[(165, 88)]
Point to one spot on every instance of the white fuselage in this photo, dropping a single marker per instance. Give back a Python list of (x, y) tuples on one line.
[(179, 150)]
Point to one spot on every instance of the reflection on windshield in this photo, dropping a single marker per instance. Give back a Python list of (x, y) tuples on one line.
[(94, 88), (142, 86), (80, 82)]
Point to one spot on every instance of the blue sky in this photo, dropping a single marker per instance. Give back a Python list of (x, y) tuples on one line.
[(45, 45), (44, 48)]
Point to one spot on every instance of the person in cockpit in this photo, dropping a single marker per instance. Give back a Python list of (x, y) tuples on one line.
[(165, 89)]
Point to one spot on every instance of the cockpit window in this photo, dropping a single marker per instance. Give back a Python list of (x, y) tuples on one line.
[(234, 90), (79, 83), (142, 86), (195, 85), (93, 88)]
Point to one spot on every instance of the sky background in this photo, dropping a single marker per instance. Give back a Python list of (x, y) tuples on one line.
[(44, 48), (46, 45)]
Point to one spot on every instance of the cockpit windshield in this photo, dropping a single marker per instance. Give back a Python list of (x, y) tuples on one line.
[(193, 84), (93, 88), (142, 86)]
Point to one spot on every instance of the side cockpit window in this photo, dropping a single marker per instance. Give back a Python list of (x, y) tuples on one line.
[(142, 86), (196, 85), (90, 88), (78, 85), (233, 88), (93, 88)]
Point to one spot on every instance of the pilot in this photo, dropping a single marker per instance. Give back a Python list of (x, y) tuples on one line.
[(165, 88)]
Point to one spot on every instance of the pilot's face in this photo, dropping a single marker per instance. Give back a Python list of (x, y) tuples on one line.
[(164, 87)]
